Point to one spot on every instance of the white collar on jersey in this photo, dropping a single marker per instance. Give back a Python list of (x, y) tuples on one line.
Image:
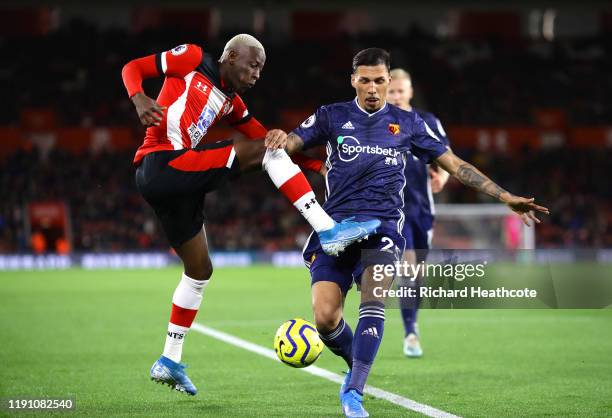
[(366, 112)]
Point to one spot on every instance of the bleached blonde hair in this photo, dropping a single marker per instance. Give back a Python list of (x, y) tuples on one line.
[(399, 74), (242, 39)]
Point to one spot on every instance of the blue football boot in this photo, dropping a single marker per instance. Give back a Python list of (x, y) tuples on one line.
[(352, 405), (167, 372), (335, 240), (344, 384)]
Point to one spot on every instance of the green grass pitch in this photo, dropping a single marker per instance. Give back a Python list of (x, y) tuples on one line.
[(94, 334)]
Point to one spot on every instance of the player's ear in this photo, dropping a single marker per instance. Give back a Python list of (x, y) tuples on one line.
[(232, 57), (353, 81)]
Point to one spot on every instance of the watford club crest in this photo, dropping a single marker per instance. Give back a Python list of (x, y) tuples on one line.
[(394, 128)]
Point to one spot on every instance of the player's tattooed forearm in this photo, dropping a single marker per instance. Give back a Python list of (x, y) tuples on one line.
[(294, 143), (471, 176), (294, 137)]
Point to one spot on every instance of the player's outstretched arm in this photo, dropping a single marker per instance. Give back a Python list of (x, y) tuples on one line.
[(438, 178), (471, 176)]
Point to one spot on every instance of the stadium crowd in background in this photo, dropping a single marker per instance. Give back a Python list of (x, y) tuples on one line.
[(107, 213), (463, 81)]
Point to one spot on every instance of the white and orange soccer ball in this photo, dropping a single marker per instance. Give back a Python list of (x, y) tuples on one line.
[(297, 343)]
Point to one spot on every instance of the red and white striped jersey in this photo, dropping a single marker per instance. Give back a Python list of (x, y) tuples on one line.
[(195, 97)]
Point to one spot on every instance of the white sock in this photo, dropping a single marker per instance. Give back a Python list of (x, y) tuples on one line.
[(185, 304), (173, 349), (290, 180), (313, 212)]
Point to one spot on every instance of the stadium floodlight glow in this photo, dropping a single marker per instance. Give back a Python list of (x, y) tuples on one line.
[(548, 24)]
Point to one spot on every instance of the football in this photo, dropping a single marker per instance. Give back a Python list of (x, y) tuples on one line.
[(297, 343)]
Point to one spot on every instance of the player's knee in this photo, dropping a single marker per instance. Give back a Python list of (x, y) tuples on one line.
[(207, 271), (202, 270), (327, 317), (250, 154)]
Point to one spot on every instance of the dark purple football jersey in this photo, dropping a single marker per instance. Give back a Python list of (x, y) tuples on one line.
[(366, 157), (418, 199)]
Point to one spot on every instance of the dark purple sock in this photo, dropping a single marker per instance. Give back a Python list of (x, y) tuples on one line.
[(340, 341), (408, 317), (359, 374), (409, 308), (368, 336)]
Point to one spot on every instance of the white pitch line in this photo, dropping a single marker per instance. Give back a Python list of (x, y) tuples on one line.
[(406, 403)]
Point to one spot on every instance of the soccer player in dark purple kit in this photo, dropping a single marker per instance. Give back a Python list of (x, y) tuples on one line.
[(422, 182), (367, 142)]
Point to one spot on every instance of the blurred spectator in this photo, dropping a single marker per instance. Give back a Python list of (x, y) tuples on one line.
[(62, 246), (39, 243)]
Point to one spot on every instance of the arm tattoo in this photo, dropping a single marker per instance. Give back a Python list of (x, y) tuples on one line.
[(471, 176), (294, 143)]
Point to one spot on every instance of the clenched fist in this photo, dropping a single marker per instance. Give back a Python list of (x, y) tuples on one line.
[(149, 111)]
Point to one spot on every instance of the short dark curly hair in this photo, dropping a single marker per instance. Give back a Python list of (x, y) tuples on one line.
[(371, 57)]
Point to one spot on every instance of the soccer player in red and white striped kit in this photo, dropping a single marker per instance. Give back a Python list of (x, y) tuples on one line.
[(175, 169)]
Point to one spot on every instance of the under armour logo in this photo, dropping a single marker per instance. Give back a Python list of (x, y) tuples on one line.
[(201, 86), (310, 203)]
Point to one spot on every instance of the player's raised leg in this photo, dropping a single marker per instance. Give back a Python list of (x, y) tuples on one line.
[(186, 301), (290, 180)]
